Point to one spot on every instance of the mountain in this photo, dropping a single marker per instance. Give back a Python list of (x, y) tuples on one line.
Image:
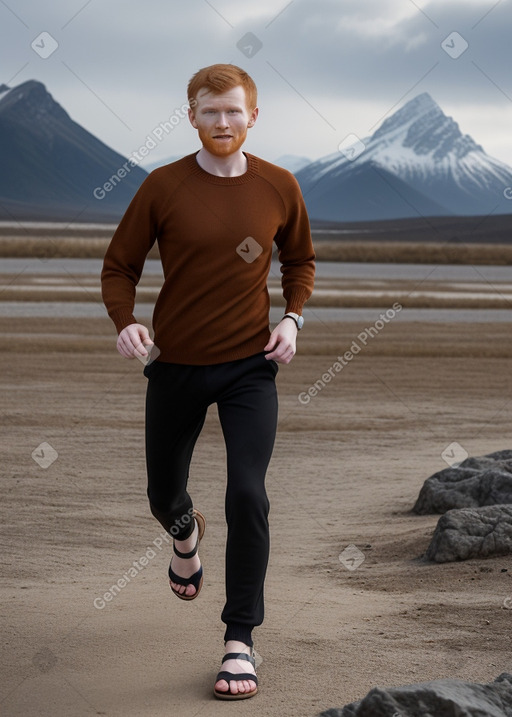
[(418, 163), (292, 162), (51, 166)]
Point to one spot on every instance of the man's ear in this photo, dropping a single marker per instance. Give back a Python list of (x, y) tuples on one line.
[(253, 117), (192, 118)]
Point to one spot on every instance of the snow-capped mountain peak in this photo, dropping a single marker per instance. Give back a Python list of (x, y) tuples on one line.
[(421, 106), (418, 151), (422, 126)]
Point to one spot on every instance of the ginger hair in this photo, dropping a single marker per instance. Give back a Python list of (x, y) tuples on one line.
[(220, 78)]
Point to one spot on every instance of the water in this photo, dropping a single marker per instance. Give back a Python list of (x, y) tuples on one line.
[(325, 270), (144, 312), (474, 275), (75, 267)]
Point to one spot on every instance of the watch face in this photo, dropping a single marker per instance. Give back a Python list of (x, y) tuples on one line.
[(300, 322)]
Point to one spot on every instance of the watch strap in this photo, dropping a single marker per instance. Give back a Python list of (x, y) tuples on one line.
[(295, 318)]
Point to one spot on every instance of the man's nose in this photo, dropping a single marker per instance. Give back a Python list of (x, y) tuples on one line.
[(222, 119)]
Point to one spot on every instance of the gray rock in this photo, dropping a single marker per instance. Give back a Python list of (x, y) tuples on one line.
[(483, 480), (440, 698), (472, 533)]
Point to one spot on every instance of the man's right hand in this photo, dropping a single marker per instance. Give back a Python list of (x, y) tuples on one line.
[(132, 341)]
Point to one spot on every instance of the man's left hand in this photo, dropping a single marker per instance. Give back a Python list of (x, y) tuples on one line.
[(282, 342)]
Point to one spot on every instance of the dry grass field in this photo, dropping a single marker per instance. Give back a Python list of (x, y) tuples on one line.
[(326, 250)]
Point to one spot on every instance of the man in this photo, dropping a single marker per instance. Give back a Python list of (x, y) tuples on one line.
[(215, 215)]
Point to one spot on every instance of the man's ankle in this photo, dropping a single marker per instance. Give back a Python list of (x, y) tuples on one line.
[(237, 646)]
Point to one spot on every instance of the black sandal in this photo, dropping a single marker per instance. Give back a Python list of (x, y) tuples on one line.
[(197, 578), (228, 676)]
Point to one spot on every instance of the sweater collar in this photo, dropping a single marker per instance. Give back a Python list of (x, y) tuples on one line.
[(200, 173)]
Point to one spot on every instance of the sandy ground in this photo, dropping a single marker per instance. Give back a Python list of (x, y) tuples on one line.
[(346, 470)]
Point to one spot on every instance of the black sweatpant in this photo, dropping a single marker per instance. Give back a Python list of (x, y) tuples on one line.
[(177, 400)]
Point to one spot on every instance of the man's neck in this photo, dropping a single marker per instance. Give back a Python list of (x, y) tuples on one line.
[(234, 165)]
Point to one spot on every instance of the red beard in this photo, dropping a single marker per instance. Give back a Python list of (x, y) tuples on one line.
[(223, 147)]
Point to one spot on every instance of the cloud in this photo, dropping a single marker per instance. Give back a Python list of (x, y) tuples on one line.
[(325, 68)]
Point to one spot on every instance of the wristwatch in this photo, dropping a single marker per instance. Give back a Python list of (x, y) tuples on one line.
[(299, 320)]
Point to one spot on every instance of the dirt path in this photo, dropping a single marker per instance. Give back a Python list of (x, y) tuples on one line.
[(347, 468)]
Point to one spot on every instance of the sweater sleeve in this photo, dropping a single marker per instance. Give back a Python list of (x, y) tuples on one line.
[(126, 254), (296, 252)]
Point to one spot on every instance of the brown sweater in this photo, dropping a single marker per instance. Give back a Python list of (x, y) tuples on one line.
[(215, 236)]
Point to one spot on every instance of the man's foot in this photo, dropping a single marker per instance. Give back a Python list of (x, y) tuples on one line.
[(231, 688), (186, 567)]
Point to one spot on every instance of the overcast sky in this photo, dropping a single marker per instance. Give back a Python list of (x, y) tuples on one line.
[(324, 68)]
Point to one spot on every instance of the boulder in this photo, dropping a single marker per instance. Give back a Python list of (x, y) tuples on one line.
[(440, 698), (472, 533), (479, 481)]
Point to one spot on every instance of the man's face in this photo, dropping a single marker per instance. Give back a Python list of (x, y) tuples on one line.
[(222, 120)]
